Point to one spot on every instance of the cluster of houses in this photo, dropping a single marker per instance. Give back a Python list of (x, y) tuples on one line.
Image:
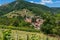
[(35, 21)]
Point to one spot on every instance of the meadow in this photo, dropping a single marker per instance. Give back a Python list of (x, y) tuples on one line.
[(8, 34)]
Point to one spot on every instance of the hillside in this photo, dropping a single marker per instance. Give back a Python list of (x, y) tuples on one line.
[(22, 35), (17, 13), (26, 16), (18, 5), (56, 9)]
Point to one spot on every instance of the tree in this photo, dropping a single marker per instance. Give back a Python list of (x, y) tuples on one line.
[(6, 34), (16, 23)]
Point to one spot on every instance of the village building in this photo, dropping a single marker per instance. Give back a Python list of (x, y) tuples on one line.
[(36, 23), (29, 20)]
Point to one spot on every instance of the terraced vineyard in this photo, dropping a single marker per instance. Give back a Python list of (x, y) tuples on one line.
[(23, 35)]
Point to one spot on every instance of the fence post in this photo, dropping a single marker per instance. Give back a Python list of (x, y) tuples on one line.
[(47, 37), (27, 37), (16, 35), (58, 38)]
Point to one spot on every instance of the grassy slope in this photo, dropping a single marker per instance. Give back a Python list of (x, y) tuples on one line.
[(23, 35), (19, 13)]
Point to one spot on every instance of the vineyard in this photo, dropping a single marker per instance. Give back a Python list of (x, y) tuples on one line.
[(7, 34)]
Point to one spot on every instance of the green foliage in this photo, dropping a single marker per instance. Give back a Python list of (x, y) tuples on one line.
[(34, 37), (16, 23), (7, 35), (23, 35), (50, 26)]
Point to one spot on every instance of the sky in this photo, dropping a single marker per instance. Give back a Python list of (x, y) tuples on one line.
[(49, 3)]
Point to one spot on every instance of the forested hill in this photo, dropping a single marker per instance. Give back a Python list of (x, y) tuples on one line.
[(56, 9), (21, 4), (10, 15)]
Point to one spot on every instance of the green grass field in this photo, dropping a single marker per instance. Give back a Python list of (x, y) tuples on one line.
[(23, 35)]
